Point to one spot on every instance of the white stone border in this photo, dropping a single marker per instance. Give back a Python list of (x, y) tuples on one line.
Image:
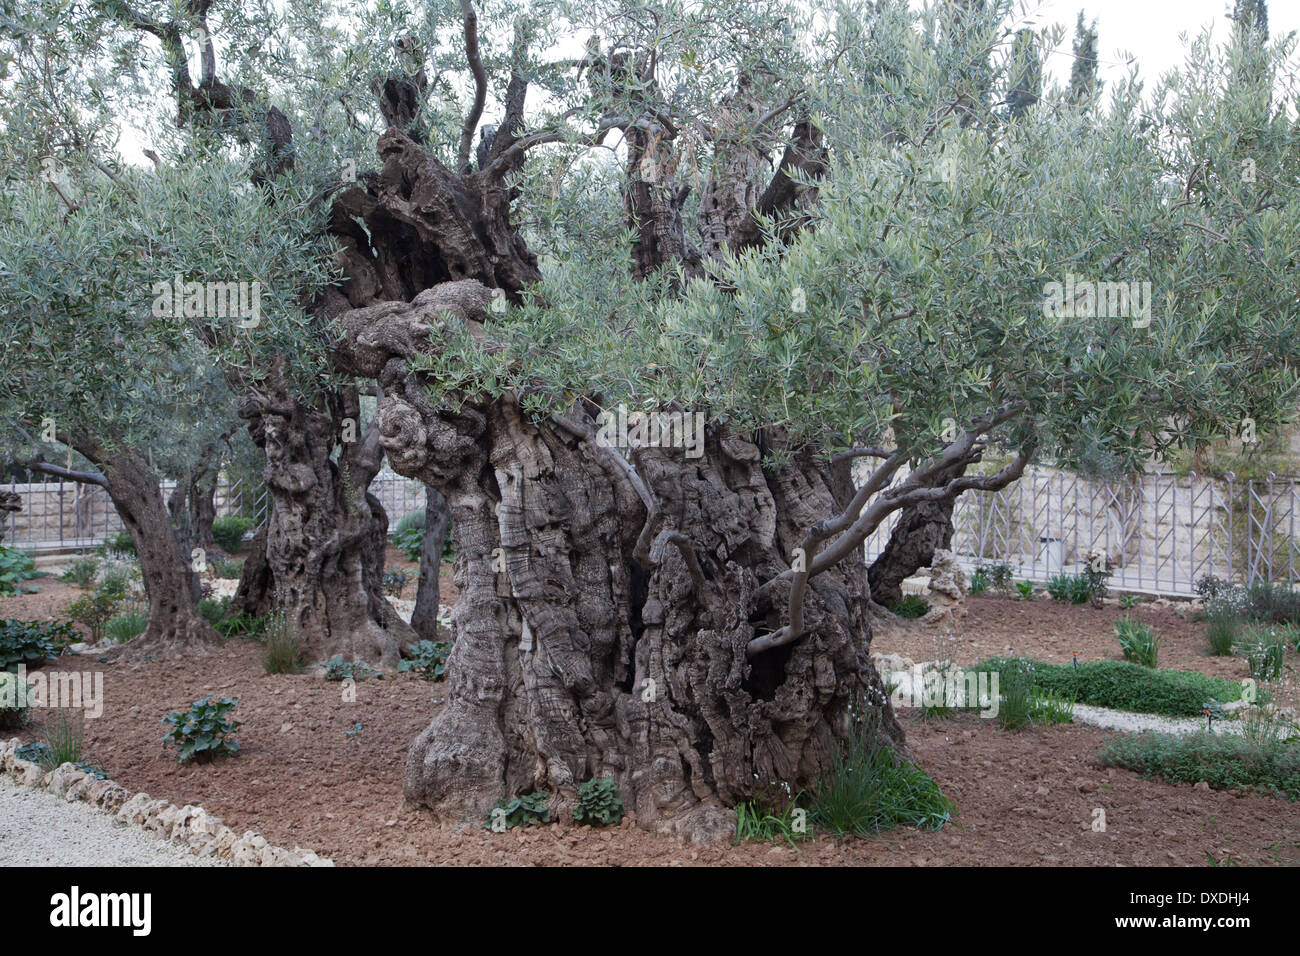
[(189, 825)]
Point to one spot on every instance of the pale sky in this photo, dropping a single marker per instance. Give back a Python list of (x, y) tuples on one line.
[(1147, 29)]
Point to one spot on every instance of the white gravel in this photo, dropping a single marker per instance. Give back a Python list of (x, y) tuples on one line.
[(39, 829)]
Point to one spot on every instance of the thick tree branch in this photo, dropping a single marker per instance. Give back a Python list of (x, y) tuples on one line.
[(480, 86)]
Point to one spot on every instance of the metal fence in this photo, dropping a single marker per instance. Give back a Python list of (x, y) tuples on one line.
[(66, 515), (1161, 533)]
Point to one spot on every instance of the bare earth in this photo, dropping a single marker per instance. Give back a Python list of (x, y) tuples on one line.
[(1023, 798)]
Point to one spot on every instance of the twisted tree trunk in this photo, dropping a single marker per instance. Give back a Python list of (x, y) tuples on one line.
[(921, 530), (437, 518), (579, 654)]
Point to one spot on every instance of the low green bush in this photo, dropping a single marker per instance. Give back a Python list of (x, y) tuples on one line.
[(911, 606), (120, 543), (1074, 588), (1140, 643), (599, 804), (33, 642), (81, 572), (867, 789), (15, 568), (337, 669), (1124, 686), (126, 626), (229, 532), (203, 732), (427, 658), (1225, 762), (96, 609), (283, 654), (1264, 647), (529, 810), (1222, 627), (227, 570)]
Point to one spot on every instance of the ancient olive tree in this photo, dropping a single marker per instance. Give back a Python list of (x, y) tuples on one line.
[(640, 284)]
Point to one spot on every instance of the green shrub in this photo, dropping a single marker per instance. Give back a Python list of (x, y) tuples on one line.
[(529, 810), (1124, 686), (1025, 591), (599, 803), (1227, 762), (65, 737), (758, 823), (120, 543), (1096, 572), (213, 610), (203, 732), (408, 536), (41, 753), (243, 625), (337, 669), (427, 658), (12, 716), (1276, 603), (1016, 687), (283, 654), (15, 568), (96, 609), (911, 606), (227, 570), (126, 626), (1070, 587), (979, 583), (32, 642), (999, 576), (1129, 601), (1222, 626), (229, 532), (1140, 643), (866, 789), (81, 572), (1264, 648), (1048, 708)]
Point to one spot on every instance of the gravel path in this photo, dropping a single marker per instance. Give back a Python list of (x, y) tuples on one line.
[(40, 829)]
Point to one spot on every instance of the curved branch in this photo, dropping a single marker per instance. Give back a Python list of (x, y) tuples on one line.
[(682, 544), (480, 86)]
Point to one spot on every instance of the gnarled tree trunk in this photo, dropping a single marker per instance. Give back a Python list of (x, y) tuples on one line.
[(437, 517), (326, 534), (921, 529), (579, 654)]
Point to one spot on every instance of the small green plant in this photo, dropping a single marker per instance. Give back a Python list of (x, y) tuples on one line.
[(120, 543), (999, 576), (203, 732), (757, 823), (96, 609), (532, 809), (867, 789), (1069, 587), (12, 717), (32, 643), (395, 581), (1097, 571), (1274, 603), (1016, 685), (427, 658), (229, 532), (599, 803), (1129, 601), (1047, 708), (243, 625), (227, 569), (65, 737), (1025, 591), (979, 582), (337, 669), (126, 626), (1222, 627), (81, 572), (283, 653), (1140, 643), (214, 610), (15, 568), (1264, 648), (911, 606), (408, 535)]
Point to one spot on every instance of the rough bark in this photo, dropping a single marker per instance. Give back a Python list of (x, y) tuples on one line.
[(921, 529), (437, 516), (9, 502), (574, 655), (255, 593), (175, 626), (326, 533)]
